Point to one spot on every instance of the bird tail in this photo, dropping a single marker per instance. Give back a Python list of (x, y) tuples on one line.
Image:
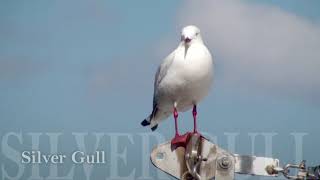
[(149, 122)]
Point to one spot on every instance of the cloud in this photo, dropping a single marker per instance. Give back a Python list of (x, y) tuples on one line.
[(259, 47)]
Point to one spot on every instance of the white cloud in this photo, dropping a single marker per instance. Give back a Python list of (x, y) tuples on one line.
[(259, 47)]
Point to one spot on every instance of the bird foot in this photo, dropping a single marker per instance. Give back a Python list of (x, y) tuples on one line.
[(181, 140)]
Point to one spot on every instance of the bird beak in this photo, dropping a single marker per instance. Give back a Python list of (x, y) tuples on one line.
[(187, 40), (186, 47)]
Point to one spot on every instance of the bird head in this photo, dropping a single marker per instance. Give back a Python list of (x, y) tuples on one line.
[(190, 34)]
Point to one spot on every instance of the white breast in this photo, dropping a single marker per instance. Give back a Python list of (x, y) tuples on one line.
[(189, 77)]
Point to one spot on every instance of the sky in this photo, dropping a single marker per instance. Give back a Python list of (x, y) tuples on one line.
[(88, 66)]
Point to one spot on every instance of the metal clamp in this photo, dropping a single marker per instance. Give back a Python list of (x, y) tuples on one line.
[(202, 159), (193, 158), (314, 172), (303, 171)]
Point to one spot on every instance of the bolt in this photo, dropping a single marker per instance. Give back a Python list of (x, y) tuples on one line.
[(224, 162)]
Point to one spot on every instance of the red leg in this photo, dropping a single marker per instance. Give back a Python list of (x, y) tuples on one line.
[(175, 115), (194, 113), (178, 140)]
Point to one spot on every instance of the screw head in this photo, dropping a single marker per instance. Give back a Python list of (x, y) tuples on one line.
[(224, 162)]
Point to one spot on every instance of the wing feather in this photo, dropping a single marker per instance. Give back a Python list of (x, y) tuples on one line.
[(160, 74)]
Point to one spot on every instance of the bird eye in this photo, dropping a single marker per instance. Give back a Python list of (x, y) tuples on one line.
[(197, 34)]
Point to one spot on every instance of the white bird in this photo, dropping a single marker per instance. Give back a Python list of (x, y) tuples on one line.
[(182, 80)]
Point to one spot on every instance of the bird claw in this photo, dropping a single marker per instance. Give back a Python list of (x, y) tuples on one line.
[(181, 140)]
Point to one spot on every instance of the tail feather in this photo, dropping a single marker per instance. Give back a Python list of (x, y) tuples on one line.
[(154, 127), (145, 122), (150, 122)]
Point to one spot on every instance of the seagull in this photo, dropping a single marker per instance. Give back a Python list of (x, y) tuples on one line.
[(182, 80)]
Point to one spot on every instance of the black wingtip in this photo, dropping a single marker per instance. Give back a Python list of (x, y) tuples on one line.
[(145, 123), (154, 127)]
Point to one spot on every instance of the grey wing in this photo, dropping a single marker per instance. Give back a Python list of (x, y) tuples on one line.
[(160, 74)]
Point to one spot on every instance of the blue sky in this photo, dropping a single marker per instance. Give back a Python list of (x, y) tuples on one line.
[(89, 65)]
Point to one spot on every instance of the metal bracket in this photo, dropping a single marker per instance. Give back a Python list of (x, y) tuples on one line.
[(253, 165), (202, 159)]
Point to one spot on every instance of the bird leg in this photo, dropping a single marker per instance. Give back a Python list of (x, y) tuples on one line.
[(194, 113), (175, 115), (178, 140)]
